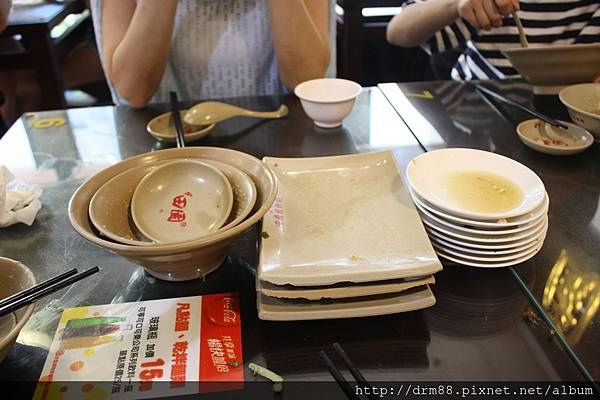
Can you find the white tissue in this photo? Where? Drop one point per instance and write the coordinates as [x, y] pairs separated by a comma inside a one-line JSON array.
[[19, 203]]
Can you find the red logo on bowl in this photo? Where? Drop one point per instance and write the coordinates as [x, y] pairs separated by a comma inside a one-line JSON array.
[[224, 311], [178, 214]]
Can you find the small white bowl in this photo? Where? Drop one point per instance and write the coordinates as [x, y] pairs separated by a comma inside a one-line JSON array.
[[583, 103], [181, 201], [557, 144], [327, 101]]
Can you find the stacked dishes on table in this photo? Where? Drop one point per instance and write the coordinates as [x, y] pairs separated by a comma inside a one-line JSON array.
[[479, 208], [343, 239], [176, 212]]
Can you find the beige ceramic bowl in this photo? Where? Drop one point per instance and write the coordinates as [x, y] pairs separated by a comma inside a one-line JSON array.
[[550, 68], [109, 208], [163, 128], [178, 261], [327, 101], [14, 277], [180, 201], [583, 103], [110, 213]]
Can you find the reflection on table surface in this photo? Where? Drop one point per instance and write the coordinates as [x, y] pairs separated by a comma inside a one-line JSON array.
[[476, 331], [567, 276]]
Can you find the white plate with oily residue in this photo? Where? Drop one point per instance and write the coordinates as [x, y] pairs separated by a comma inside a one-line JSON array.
[[475, 184], [553, 140], [502, 224], [342, 219], [274, 309]]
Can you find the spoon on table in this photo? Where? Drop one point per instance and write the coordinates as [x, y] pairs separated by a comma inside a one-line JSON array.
[[211, 112]]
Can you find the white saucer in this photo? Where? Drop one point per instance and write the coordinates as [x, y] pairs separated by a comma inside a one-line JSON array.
[[162, 128], [486, 246], [486, 259], [468, 250], [468, 230], [537, 227], [499, 224], [556, 142], [470, 263], [428, 176]]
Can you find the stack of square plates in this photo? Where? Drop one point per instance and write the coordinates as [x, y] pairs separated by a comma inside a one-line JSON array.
[[479, 208], [343, 239]]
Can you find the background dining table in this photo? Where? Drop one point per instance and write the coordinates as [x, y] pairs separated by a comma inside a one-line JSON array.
[[43, 52], [482, 327]]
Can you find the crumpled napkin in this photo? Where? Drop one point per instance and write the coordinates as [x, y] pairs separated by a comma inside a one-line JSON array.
[[19, 204]]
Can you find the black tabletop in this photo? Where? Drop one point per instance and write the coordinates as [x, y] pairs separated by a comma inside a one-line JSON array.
[[567, 269], [478, 330]]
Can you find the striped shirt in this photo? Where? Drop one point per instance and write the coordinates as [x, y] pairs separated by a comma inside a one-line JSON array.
[[546, 22]]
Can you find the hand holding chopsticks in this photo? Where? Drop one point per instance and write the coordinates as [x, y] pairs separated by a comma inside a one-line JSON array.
[[40, 290]]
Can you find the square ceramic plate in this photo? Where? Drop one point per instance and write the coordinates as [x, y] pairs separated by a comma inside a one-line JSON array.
[[341, 290], [273, 309], [342, 219]]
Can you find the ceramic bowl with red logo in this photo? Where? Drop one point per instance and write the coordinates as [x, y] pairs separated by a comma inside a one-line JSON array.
[[583, 103], [180, 201], [186, 260], [110, 207]]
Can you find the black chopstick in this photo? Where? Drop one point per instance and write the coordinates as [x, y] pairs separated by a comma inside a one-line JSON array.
[[513, 103], [37, 287], [496, 107], [7, 309], [337, 375], [177, 119], [353, 370]]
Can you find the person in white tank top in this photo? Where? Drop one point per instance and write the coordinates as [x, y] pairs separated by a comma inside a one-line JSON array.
[[206, 49]]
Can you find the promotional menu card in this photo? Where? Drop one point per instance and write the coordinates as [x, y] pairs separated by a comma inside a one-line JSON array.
[[146, 349]]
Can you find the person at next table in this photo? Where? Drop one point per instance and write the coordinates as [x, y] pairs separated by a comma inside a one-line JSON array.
[[211, 48], [482, 27]]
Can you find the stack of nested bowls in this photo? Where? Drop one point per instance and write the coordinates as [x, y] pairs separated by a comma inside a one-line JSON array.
[[176, 212], [479, 208]]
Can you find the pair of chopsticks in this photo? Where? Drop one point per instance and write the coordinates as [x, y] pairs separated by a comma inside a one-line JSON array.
[[177, 119], [339, 378], [483, 90], [40, 290]]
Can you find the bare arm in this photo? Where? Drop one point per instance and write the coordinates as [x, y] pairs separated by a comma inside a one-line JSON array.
[[4, 9], [418, 22], [136, 45], [301, 39]]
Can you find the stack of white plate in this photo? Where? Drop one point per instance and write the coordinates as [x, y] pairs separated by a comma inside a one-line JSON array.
[[479, 208], [343, 239]]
